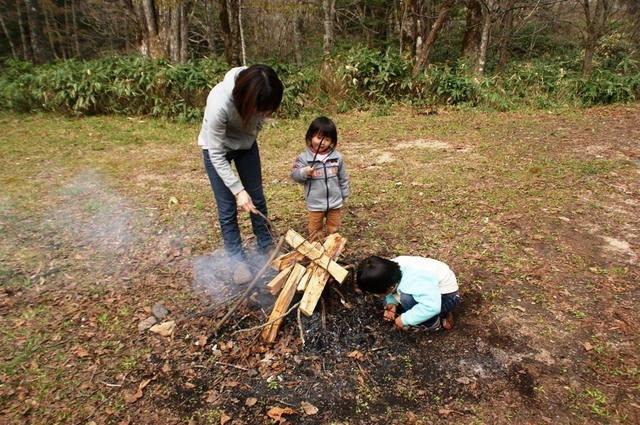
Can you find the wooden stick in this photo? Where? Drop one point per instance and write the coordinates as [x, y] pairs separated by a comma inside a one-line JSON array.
[[248, 290], [264, 325]]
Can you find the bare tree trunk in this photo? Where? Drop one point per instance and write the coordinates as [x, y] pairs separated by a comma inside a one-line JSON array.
[[329, 7], [409, 26], [67, 51], [423, 59], [173, 34], [473, 30], [151, 32], [176, 33], [184, 34], [26, 51], [487, 12], [210, 27], [14, 52], [298, 24], [230, 30], [596, 27], [40, 53], [49, 33], [241, 33], [507, 32], [74, 20]]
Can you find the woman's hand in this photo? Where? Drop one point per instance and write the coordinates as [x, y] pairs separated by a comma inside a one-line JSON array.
[[244, 201]]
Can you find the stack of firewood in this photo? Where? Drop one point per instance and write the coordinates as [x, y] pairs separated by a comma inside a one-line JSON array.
[[320, 259]]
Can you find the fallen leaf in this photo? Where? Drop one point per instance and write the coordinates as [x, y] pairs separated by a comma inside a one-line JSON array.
[[309, 408], [411, 418], [588, 346], [276, 413], [164, 329], [125, 421], [445, 412], [356, 355], [464, 380], [251, 401], [81, 352], [132, 398], [224, 418]]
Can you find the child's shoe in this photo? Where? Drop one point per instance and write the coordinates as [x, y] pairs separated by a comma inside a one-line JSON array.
[[433, 328], [447, 321]]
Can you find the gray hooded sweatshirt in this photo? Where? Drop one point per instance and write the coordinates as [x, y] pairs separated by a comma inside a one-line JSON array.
[[222, 129], [328, 187]]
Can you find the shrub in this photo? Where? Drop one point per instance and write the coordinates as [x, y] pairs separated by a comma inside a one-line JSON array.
[[372, 76], [605, 87]]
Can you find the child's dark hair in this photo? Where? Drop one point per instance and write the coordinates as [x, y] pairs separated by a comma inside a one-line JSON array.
[[377, 275], [323, 127], [257, 90]]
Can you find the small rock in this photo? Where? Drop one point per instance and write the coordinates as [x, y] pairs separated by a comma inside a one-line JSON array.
[[159, 311], [147, 323]]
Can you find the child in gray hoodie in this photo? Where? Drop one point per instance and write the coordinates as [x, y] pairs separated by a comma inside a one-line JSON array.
[[322, 171]]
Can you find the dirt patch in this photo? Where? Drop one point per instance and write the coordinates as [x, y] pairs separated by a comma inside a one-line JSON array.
[[546, 332]]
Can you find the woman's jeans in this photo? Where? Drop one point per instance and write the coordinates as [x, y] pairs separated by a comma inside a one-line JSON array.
[[247, 163]]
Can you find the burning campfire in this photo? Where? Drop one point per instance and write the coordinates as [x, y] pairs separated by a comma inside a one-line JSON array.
[[306, 269]]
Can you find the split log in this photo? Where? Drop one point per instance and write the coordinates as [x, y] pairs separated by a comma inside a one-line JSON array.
[[287, 260], [282, 303], [302, 285], [334, 245], [276, 283], [316, 255]]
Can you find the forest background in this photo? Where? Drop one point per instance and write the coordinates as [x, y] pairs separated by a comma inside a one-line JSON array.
[[160, 58]]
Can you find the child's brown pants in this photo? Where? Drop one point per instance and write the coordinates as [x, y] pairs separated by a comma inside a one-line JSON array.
[[316, 225]]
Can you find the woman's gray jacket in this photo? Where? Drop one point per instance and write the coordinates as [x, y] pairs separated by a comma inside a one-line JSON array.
[[222, 129]]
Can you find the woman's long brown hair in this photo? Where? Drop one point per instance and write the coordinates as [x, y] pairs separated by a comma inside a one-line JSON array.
[[257, 90]]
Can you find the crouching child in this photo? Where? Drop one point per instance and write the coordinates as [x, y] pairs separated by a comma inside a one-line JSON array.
[[420, 293]]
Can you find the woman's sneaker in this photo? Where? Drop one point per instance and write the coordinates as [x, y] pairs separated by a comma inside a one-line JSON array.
[[242, 274]]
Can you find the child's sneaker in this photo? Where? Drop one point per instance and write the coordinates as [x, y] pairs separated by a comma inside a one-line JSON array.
[[447, 321], [437, 326]]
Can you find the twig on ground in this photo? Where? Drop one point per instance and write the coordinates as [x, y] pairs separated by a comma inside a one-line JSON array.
[[248, 290], [342, 298], [373, 350], [232, 365], [110, 385], [300, 327], [323, 316], [296, 305]]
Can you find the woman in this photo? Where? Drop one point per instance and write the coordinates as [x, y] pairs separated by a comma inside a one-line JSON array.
[[234, 115]]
